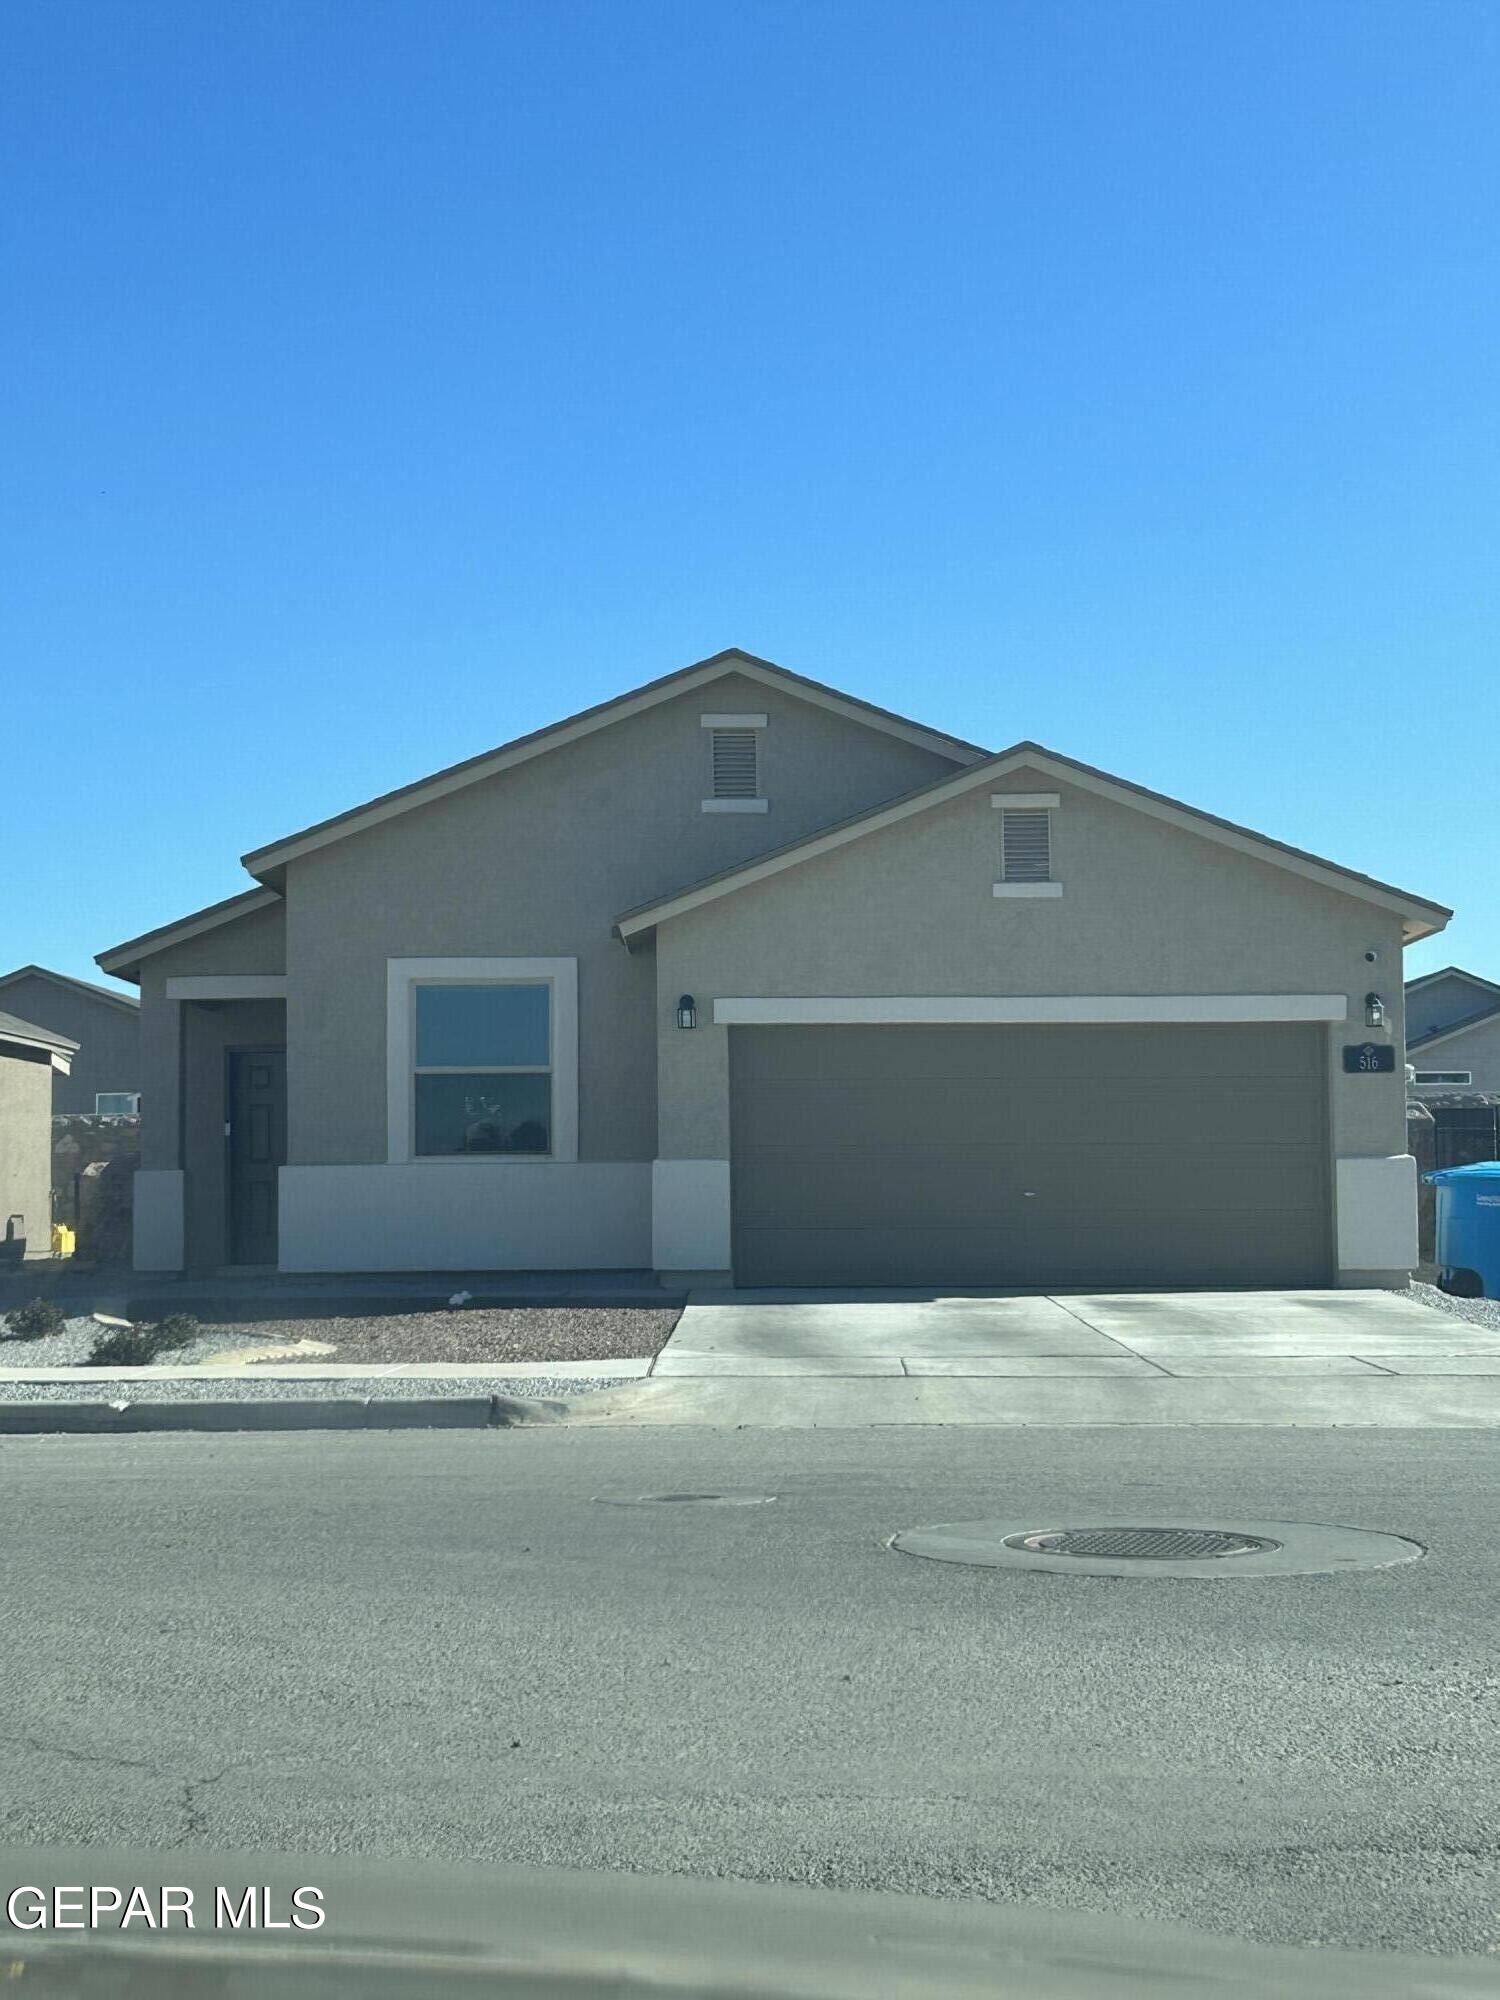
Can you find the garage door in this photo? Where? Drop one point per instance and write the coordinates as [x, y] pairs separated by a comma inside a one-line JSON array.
[[1094, 1157]]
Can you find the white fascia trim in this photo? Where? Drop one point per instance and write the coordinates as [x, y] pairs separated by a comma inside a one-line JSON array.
[[1059, 1009], [60, 1059], [735, 805], [404, 975], [1026, 888], [228, 912], [731, 722], [1029, 801], [228, 986]]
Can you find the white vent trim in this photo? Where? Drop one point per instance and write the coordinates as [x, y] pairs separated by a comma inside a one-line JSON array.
[[1026, 799], [731, 722]]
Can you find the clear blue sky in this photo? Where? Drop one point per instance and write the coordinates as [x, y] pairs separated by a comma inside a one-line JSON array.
[[382, 380]]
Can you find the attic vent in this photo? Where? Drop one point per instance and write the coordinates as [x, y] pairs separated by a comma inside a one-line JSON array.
[[735, 775], [1025, 844]]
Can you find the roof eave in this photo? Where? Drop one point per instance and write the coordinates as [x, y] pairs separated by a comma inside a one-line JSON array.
[[1420, 918], [84, 986], [268, 863], [123, 961]]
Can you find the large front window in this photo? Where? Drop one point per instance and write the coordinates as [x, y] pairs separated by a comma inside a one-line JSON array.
[[483, 1069]]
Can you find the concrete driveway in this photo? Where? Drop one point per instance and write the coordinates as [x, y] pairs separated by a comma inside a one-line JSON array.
[[813, 1359], [1123, 1334]]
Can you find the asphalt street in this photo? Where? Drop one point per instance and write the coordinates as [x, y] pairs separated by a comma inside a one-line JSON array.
[[442, 1645]]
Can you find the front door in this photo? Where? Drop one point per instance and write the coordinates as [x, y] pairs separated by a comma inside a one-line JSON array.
[[257, 1148]]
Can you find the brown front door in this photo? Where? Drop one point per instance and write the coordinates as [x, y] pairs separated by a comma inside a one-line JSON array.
[[257, 1148]]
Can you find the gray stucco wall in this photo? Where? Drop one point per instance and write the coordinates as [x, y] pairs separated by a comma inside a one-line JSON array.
[[26, 1147], [255, 943], [538, 862], [1475, 1049], [1146, 908], [108, 1038]]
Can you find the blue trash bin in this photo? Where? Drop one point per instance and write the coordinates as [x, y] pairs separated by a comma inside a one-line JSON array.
[[1468, 1229]]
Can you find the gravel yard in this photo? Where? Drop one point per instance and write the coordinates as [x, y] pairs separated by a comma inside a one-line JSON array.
[[481, 1333], [249, 1387], [1478, 1312]]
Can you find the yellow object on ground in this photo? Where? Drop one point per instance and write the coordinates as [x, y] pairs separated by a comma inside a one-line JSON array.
[[64, 1240]]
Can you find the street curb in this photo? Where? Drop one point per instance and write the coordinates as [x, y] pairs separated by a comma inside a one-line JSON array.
[[303, 1413]]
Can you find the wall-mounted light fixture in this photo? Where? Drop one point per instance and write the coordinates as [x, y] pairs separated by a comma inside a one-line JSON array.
[[687, 1012], [1374, 1011]]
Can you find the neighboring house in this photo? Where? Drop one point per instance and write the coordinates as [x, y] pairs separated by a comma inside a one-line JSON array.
[[1453, 1032], [29, 1058], [740, 974], [105, 1028]]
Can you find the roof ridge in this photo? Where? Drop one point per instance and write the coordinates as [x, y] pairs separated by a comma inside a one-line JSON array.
[[534, 742]]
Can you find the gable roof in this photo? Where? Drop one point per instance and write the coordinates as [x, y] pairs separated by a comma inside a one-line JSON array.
[[1453, 1028], [124, 960], [1420, 918], [1453, 972], [85, 986], [266, 863], [20, 1034]]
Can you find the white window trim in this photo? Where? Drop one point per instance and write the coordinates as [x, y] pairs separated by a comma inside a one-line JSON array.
[[1062, 1009], [133, 1112], [1444, 1079], [403, 976]]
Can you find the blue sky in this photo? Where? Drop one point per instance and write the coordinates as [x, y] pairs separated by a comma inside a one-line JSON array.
[[382, 381]]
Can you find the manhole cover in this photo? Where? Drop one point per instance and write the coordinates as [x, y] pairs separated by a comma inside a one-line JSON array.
[[1140, 1544], [1159, 1549]]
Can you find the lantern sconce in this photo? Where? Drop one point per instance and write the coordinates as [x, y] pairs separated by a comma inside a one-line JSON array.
[[1374, 1011], [687, 1012]]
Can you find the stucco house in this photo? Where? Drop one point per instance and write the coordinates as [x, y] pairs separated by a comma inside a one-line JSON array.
[[1453, 1032], [738, 974], [104, 1027], [30, 1056]]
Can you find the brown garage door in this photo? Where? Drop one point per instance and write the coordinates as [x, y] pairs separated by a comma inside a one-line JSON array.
[[1094, 1157]]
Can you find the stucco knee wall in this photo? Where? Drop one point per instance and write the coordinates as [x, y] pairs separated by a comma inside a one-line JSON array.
[[486, 1215]]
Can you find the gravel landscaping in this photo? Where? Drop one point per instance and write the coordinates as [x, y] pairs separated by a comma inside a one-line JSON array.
[[487, 1333], [89, 1388], [1478, 1312]]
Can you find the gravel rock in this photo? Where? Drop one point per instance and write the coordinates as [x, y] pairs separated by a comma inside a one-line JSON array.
[[1478, 1312], [485, 1333], [241, 1388]]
